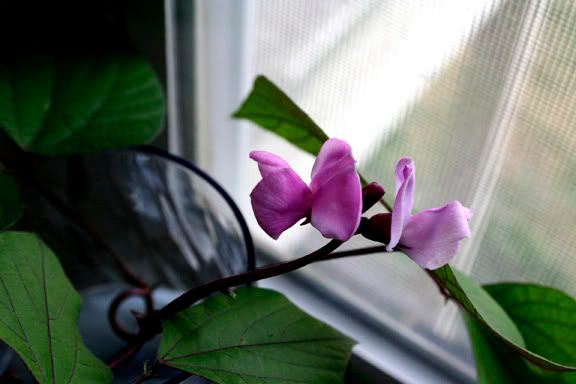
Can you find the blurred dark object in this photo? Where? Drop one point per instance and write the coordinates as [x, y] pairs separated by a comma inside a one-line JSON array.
[[31, 27], [164, 221]]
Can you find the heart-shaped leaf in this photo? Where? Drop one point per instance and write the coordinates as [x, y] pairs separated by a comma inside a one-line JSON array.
[[270, 108], [39, 311], [84, 103], [256, 336], [546, 318], [10, 204]]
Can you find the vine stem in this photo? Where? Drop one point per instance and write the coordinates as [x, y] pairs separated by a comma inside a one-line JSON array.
[[126, 353], [222, 285], [386, 205], [354, 252]]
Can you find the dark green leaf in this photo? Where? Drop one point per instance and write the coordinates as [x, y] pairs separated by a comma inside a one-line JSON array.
[[487, 354], [546, 318], [479, 303], [273, 110], [25, 88], [39, 311], [256, 337], [10, 205], [487, 311], [80, 104]]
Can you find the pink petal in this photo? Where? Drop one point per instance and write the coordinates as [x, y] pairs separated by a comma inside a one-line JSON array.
[[337, 206], [433, 236], [280, 200], [268, 162], [337, 192], [405, 180], [334, 157]]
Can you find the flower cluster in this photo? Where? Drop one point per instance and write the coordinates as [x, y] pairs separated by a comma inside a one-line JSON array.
[[333, 204]]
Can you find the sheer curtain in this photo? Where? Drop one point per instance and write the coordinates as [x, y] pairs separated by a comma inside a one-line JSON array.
[[481, 93]]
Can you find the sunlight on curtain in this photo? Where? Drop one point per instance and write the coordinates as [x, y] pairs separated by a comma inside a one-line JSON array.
[[480, 93]]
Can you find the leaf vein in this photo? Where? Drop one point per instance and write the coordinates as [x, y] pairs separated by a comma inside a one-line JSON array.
[[253, 345], [47, 309]]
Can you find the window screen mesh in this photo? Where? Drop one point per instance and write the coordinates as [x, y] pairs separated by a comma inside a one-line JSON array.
[[480, 93]]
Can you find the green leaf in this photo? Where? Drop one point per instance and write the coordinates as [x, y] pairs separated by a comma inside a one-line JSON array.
[[10, 204], [80, 104], [25, 88], [256, 337], [546, 318], [480, 305], [39, 311], [488, 354], [273, 110]]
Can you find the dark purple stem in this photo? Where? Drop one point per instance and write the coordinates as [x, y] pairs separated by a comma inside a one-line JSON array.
[[145, 293], [126, 353], [192, 296], [354, 252]]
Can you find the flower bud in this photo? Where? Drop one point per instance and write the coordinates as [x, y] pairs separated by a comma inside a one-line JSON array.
[[377, 228], [371, 194]]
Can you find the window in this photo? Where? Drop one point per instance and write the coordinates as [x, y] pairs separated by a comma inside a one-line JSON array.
[[479, 93]]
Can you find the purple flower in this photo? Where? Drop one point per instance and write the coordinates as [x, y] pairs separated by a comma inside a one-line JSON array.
[[431, 237], [333, 201]]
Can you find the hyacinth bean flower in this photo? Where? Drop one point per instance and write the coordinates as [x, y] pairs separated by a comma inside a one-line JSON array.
[[431, 237], [332, 201]]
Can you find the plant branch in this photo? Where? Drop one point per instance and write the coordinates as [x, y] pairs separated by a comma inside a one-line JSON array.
[[151, 325], [126, 353], [354, 252], [386, 205], [185, 300]]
